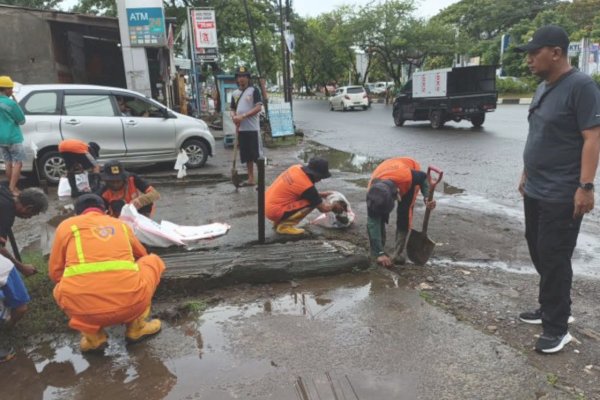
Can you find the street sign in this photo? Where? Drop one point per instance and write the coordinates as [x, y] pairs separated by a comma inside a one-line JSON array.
[[205, 35], [146, 27], [280, 117], [574, 48]]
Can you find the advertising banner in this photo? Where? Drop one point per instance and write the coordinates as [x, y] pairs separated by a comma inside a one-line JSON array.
[[205, 34]]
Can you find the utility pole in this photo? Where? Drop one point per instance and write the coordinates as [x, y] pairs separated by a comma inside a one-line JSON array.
[[284, 55], [288, 8]]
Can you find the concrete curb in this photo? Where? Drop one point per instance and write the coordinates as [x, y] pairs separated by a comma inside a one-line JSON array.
[[508, 100]]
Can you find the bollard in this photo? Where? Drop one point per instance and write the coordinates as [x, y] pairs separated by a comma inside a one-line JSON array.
[[260, 163]]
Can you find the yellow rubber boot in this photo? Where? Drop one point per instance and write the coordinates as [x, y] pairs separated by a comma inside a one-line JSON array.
[[288, 226], [140, 329], [93, 341]]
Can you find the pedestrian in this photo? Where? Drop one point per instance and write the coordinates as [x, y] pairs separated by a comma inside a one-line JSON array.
[[394, 179], [560, 161], [103, 274], [13, 293], [80, 160], [11, 137], [122, 187], [293, 195], [246, 104]]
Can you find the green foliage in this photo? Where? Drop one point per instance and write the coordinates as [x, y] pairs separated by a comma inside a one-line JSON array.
[[41, 4], [511, 85], [97, 7], [596, 77]]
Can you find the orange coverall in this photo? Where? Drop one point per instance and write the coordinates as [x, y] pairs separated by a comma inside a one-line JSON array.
[[103, 274]]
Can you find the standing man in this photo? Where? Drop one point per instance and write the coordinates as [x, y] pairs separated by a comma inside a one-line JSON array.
[[11, 137], [396, 178], [103, 274], [293, 195], [557, 184], [13, 292], [246, 104]]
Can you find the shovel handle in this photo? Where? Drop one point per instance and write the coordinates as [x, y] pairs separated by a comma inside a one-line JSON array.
[[432, 184]]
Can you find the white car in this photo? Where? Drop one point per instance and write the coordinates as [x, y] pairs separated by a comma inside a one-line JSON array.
[[349, 97], [128, 126], [380, 87]]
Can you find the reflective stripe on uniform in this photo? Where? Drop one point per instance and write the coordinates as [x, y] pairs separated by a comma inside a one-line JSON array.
[[78, 245], [102, 266]]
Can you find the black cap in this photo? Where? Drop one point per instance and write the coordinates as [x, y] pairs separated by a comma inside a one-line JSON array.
[[547, 36], [381, 198], [113, 171], [242, 71], [318, 167], [88, 200]]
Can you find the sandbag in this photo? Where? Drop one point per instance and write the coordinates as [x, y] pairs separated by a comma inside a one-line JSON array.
[[336, 220]]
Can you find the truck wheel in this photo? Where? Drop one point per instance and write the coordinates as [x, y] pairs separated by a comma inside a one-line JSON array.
[[477, 120], [398, 120], [437, 119], [52, 166]]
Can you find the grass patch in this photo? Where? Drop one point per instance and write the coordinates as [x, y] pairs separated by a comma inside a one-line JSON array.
[[524, 95], [285, 141], [195, 307], [552, 379], [426, 296]]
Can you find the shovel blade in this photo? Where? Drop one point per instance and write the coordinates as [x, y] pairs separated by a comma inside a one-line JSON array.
[[236, 179], [419, 247]]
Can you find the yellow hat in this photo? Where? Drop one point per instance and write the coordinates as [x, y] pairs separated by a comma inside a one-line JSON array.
[[6, 82]]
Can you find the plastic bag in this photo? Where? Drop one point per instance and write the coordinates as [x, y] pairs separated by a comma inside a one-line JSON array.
[[166, 233], [82, 182], [64, 189], [332, 220], [182, 159]]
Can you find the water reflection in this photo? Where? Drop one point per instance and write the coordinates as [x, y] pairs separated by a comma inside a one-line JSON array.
[[341, 160]]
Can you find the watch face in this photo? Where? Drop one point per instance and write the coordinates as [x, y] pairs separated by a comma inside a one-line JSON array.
[[587, 186]]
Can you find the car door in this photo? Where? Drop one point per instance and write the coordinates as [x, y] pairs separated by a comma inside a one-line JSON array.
[[149, 135], [90, 116], [338, 97]]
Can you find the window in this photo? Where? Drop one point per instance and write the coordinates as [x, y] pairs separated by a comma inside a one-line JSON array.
[[130, 106], [354, 90], [86, 105], [41, 103]]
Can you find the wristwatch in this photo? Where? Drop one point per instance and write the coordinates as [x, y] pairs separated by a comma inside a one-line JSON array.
[[587, 186]]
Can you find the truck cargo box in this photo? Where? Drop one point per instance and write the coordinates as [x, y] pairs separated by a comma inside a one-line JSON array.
[[454, 81]]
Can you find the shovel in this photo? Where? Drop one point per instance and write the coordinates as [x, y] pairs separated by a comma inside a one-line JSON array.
[[420, 247], [235, 177]]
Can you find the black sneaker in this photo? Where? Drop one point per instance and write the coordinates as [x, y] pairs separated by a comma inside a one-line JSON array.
[[552, 344], [535, 317]]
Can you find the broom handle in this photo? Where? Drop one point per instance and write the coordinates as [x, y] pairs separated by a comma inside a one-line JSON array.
[[432, 185]]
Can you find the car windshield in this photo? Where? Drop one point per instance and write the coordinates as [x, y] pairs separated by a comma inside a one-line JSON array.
[[352, 90]]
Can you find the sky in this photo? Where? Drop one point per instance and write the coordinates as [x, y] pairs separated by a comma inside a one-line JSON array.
[[424, 8]]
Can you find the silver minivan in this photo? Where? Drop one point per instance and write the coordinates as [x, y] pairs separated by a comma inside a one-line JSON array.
[[128, 126]]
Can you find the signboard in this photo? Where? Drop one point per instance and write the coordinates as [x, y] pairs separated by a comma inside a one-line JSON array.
[[280, 116], [205, 34], [430, 83], [574, 49], [146, 27]]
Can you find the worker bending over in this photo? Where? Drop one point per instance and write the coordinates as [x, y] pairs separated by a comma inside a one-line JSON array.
[[293, 195], [394, 179]]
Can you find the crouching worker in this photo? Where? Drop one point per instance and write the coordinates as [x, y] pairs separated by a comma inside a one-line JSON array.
[[293, 195], [122, 187], [394, 179], [103, 275], [80, 157]]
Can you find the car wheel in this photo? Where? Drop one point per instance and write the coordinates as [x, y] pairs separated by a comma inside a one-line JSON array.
[[478, 120], [197, 151], [398, 120], [52, 167], [437, 119]]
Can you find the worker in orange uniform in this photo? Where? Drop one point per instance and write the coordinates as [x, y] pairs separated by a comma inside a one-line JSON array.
[[293, 195], [394, 179], [122, 187], [81, 157], [103, 275]]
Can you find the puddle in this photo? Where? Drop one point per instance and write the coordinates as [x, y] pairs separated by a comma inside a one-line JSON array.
[[199, 357], [340, 160]]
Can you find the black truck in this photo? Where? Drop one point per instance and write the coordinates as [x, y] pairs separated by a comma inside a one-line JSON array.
[[451, 94]]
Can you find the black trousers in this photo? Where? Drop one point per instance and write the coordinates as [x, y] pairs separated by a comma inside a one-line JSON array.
[[551, 234], [403, 211]]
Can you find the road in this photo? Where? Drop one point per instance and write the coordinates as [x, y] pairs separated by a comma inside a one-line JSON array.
[[485, 161]]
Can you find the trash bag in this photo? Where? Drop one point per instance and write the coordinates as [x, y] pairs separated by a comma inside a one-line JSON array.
[[336, 220], [166, 233], [182, 159], [64, 189]]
